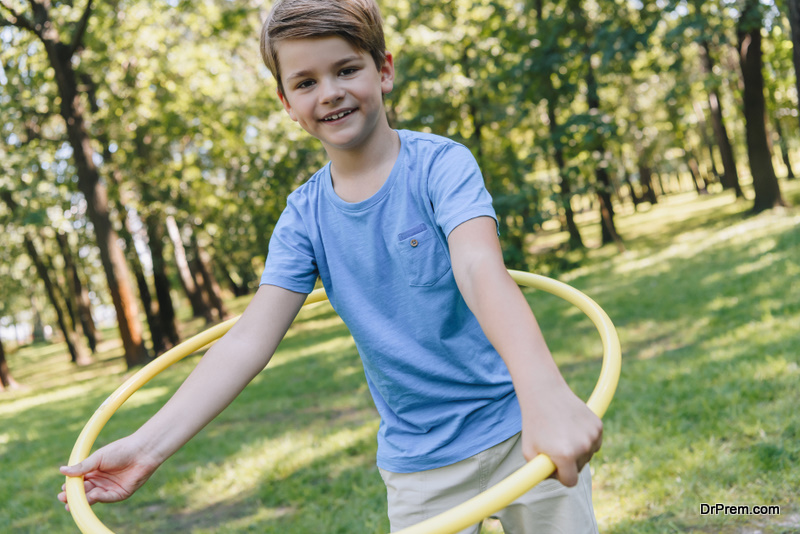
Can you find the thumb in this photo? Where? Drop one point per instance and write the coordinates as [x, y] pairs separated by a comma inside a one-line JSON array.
[[89, 464]]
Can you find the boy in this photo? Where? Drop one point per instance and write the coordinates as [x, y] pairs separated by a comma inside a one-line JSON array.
[[401, 231]]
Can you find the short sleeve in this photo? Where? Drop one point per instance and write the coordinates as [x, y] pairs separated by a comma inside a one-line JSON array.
[[290, 261], [456, 188]]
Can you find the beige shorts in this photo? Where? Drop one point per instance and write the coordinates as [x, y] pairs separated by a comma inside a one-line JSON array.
[[549, 508]]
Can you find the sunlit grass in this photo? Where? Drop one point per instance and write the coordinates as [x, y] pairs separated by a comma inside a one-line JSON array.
[[707, 303]]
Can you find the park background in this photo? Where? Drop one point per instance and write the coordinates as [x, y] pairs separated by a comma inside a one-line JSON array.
[[641, 151]]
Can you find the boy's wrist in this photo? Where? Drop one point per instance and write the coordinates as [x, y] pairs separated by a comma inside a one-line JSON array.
[[542, 391], [154, 449]]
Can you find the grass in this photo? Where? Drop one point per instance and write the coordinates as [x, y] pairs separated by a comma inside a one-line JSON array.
[[707, 303]]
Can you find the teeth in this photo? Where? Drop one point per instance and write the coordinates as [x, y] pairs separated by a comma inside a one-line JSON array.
[[337, 116]]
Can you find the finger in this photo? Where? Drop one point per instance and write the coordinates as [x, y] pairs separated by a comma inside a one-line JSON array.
[[89, 464], [567, 473], [87, 486], [98, 494]]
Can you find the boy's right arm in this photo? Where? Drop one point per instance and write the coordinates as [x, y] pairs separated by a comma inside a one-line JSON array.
[[114, 472]]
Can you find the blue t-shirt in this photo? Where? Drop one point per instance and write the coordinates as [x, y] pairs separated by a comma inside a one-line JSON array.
[[441, 389]]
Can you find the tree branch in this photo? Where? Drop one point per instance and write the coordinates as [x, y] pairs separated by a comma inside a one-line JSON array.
[[80, 31], [15, 19]]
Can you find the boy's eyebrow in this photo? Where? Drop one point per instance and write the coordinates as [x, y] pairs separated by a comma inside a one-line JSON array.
[[337, 64]]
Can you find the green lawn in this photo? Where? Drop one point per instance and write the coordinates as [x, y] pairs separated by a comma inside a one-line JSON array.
[[707, 303]]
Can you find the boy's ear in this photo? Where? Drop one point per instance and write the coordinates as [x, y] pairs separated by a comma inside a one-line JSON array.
[[286, 105], [387, 74]]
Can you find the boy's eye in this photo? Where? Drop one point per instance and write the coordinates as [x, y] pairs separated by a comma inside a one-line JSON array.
[[348, 71], [305, 83]]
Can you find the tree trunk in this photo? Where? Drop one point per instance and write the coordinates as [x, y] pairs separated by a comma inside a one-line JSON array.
[[730, 175], [76, 348], [784, 150], [646, 179], [209, 281], [150, 308], [185, 275], [60, 56], [79, 292], [634, 196], [38, 325], [608, 229], [794, 21], [65, 297], [6, 380], [237, 285], [663, 185], [575, 239], [202, 291], [707, 141], [765, 183], [697, 178], [166, 311]]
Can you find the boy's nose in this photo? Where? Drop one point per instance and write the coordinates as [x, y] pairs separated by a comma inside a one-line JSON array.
[[330, 92]]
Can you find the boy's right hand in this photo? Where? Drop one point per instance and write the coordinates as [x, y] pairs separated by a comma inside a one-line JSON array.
[[113, 473]]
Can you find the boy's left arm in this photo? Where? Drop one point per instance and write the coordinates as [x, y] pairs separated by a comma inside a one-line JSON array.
[[554, 420]]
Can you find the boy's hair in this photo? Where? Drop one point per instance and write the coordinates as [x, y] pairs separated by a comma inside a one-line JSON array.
[[357, 21]]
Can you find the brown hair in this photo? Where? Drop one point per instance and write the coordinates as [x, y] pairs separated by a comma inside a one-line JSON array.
[[357, 21]]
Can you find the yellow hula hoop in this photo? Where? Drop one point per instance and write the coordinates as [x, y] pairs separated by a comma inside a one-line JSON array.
[[458, 518]]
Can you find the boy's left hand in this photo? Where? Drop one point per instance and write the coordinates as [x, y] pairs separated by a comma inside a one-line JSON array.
[[557, 423]]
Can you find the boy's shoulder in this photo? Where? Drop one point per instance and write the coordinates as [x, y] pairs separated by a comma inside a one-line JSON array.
[[428, 140], [436, 153], [310, 188]]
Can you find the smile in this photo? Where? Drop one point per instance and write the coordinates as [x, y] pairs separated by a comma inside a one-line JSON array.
[[338, 116]]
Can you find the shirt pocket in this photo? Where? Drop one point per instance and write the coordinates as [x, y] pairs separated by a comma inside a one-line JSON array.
[[422, 256]]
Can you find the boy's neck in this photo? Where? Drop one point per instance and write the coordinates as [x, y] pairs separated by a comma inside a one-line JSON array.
[[359, 173]]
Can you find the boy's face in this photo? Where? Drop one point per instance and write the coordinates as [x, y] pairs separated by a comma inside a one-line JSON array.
[[333, 90]]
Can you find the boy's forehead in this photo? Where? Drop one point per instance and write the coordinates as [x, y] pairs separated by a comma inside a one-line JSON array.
[[302, 54]]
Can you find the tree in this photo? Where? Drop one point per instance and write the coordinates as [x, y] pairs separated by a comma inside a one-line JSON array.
[[780, 85], [200, 305], [602, 45], [603, 180], [6, 380], [166, 312], [765, 183], [793, 12], [704, 24], [544, 60], [62, 55], [730, 173], [71, 330], [78, 292], [207, 282], [72, 338]]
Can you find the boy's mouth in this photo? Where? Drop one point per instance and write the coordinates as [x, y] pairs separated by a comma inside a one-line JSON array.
[[337, 115]]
